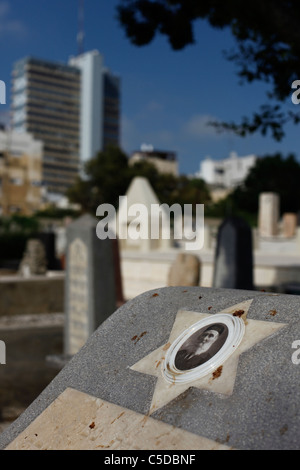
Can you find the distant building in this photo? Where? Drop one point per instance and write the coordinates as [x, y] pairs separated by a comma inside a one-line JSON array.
[[46, 103], [20, 173], [227, 173], [73, 108], [164, 161], [112, 109], [99, 105]]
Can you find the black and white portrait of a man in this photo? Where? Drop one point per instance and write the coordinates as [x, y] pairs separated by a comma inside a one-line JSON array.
[[201, 346]]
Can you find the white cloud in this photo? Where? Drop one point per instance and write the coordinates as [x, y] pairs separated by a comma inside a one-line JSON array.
[[154, 106], [134, 134], [9, 25], [194, 131], [198, 127]]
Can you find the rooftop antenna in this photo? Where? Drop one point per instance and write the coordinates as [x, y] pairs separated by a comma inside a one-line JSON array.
[[80, 35]]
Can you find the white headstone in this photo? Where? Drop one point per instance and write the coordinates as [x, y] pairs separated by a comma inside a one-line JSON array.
[[268, 214], [90, 287]]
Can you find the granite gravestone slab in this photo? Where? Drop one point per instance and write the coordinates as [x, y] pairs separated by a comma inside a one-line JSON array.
[[90, 285], [117, 393], [233, 266]]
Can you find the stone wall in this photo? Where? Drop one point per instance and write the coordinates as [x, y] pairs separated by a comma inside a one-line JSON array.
[[27, 296], [145, 271], [29, 339], [140, 273]]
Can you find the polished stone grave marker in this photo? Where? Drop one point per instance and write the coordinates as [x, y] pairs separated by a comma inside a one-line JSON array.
[[49, 241], [132, 385], [233, 266]]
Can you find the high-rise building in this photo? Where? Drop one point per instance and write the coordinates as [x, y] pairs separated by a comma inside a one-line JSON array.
[[73, 108], [100, 104], [91, 99], [46, 103], [111, 112]]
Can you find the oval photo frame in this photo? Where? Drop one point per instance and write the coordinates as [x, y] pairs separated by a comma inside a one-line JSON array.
[[202, 348]]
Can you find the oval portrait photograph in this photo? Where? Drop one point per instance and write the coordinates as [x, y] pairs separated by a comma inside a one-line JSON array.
[[201, 346]]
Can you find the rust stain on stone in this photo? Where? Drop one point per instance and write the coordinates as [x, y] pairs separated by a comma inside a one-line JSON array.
[[217, 373], [136, 338], [238, 313], [118, 417]]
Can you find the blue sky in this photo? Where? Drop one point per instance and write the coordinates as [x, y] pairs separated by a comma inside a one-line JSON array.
[[167, 96]]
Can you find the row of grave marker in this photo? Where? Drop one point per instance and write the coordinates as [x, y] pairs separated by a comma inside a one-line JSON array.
[[93, 287]]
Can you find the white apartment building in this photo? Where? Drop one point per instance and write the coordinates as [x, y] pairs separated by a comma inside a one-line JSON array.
[[227, 173], [91, 65], [99, 104]]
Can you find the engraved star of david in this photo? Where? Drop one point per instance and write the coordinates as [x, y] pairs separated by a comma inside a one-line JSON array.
[[223, 383]]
